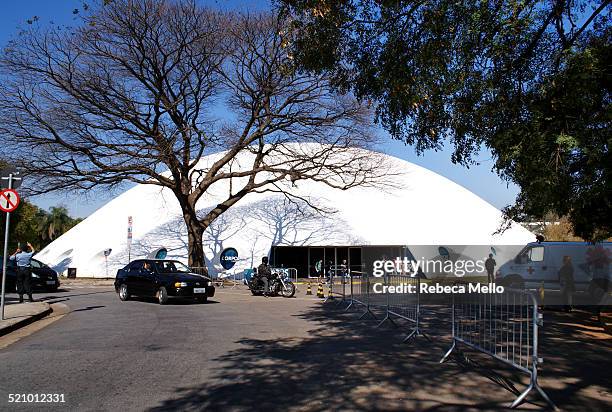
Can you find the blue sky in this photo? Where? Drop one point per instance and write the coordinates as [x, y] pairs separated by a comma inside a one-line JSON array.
[[479, 179]]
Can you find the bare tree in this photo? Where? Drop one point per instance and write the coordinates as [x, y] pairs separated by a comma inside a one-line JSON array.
[[131, 95]]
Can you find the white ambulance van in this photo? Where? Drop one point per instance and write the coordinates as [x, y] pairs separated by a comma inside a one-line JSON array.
[[538, 264]]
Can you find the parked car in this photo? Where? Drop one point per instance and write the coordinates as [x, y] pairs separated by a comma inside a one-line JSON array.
[[162, 279], [43, 277]]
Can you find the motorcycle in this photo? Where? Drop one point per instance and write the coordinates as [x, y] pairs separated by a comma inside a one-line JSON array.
[[279, 284]]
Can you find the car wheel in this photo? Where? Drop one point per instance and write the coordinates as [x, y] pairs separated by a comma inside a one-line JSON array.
[[123, 292], [202, 299], [162, 295]]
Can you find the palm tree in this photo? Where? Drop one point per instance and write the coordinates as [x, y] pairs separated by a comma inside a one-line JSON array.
[[55, 223]]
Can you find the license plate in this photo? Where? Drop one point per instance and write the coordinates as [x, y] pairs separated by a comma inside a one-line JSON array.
[[199, 290], [50, 282]]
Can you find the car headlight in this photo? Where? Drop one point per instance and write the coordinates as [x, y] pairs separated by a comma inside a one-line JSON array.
[[34, 275], [180, 284]]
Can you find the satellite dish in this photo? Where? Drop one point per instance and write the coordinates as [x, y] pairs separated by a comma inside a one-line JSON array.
[[444, 252]]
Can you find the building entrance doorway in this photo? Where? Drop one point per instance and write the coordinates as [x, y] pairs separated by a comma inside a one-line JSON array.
[[314, 261]]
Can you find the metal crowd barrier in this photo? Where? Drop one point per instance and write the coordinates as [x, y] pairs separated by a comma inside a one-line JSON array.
[[291, 273], [405, 305], [504, 326], [337, 286], [369, 292]]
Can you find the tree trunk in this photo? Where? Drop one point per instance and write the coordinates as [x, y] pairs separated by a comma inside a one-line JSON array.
[[195, 231]]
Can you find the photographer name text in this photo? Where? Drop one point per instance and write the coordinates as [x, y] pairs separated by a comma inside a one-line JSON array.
[[438, 288]]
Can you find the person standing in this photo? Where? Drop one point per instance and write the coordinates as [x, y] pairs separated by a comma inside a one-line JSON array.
[[490, 264], [344, 268], [329, 271], [566, 279], [23, 258]]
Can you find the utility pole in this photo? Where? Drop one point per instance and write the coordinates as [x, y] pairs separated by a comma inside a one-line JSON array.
[[10, 179]]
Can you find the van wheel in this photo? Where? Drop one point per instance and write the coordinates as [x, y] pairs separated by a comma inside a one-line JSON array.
[[123, 292], [162, 296]]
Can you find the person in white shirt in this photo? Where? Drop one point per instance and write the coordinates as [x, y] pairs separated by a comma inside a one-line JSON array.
[[23, 258]]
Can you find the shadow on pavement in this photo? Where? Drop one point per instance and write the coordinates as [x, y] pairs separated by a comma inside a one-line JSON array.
[[172, 301], [344, 364], [577, 360], [89, 308]]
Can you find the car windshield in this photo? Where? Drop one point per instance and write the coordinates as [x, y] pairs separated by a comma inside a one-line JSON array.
[[38, 264], [171, 267]]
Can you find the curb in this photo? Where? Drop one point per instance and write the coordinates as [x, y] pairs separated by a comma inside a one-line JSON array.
[[18, 325]]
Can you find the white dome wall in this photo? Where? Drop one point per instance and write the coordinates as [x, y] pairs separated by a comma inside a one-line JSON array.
[[422, 208]]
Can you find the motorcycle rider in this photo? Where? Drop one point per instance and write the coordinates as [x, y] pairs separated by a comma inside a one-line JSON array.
[[264, 273]]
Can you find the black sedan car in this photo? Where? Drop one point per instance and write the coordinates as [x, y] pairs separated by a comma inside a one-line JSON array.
[[43, 277], [162, 279]]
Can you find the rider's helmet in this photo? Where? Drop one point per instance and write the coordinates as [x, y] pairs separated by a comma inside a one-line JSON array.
[[264, 260]]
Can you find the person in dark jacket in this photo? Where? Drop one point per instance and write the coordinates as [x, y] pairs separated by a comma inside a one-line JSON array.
[[23, 259], [264, 273], [490, 264], [566, 279]]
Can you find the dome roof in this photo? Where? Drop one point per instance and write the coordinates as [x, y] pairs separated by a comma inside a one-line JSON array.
[[419, 208]]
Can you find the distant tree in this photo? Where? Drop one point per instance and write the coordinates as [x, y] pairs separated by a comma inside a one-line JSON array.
[[23, 226], [29, 223], [527, 80], [55, 223], [133, 94], [559, 230]]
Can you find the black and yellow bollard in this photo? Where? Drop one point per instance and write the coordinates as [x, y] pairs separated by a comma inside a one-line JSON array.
[[308, 289], [320, 293]]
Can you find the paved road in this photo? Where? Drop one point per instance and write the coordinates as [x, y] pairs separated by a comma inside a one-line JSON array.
[[240, 352], [112, 355]]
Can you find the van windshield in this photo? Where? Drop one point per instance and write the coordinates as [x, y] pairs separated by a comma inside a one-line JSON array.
[[531, 254]]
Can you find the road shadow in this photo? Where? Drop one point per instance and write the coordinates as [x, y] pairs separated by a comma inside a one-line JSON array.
[[577, 356], [344, 364], [349, 364], [89, 308], [172, 301]]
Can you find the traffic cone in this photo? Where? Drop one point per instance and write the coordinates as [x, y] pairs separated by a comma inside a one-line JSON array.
[[308, 289], [320, 293], [329, 292]]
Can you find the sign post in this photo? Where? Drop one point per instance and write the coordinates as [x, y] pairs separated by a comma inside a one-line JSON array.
[[107, 253], [9, 200], [129, 239]]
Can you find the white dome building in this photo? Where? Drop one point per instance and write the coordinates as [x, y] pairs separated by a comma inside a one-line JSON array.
[[367, 223]]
